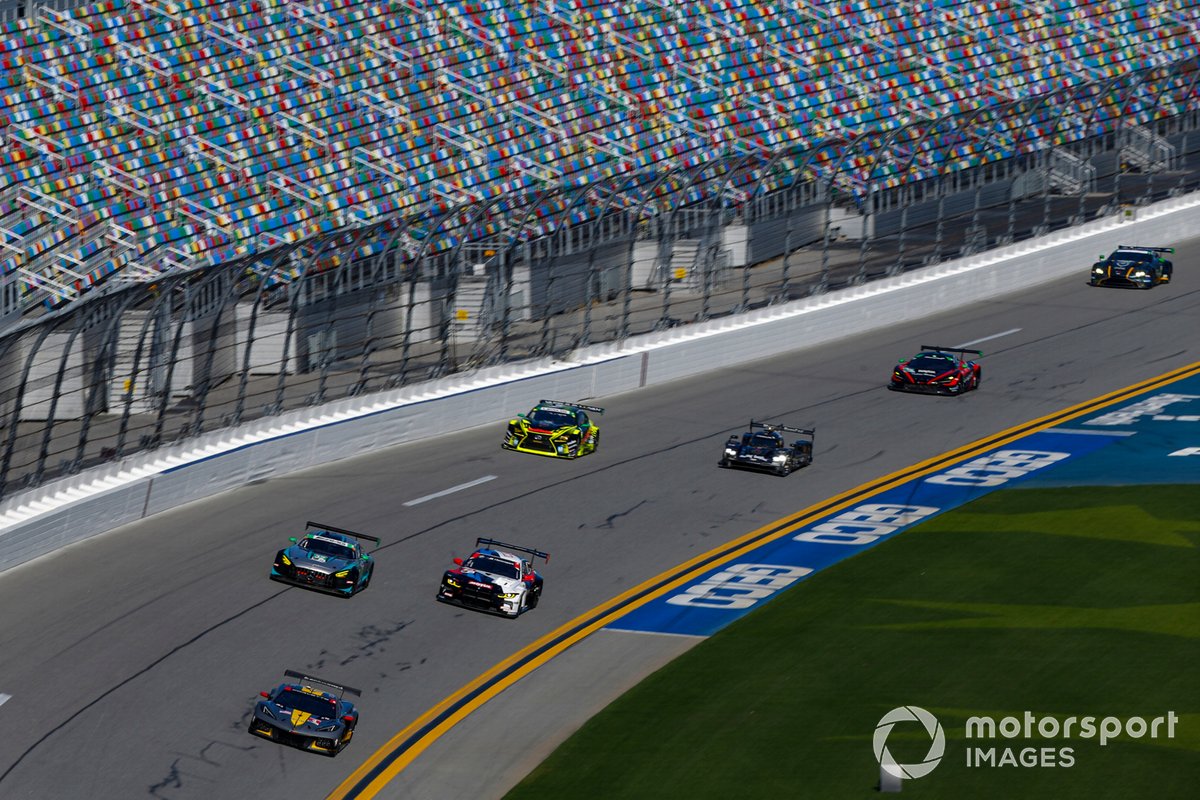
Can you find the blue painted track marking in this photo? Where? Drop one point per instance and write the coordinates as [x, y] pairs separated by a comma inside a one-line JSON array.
[[1155, 438]]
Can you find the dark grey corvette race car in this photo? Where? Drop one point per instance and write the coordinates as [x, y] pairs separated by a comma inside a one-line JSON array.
[[305, 715]]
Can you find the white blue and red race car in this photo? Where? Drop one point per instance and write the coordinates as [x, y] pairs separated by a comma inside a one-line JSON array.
[[495, 578]]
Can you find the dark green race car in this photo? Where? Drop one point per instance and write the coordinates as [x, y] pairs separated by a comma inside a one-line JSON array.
[[1133, 267]]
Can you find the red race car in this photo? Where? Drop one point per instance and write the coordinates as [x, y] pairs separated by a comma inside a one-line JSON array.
[[938, 370]]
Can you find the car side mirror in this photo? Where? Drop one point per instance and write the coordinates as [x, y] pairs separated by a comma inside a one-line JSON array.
[[292, 539], [458, 561], [347, 718], [264, 694]]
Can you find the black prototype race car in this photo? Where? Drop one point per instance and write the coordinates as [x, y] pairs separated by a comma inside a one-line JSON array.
[[1133, 267], [938, 370], [306, 716], [327, 559], [494, 579], [763, 447]]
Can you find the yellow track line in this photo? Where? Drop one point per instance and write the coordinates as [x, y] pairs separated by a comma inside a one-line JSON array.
[[402, 749]]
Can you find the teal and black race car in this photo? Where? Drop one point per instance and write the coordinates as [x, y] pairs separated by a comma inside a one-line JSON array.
[[1133, 267], [554, 428], [327, 559], [305, 715]]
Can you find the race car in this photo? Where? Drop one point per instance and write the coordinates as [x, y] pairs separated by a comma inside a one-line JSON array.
[[1133, 267], [938, 370], [494, 579], [554, 428], [306, 716], [763, 447], [327, 559]]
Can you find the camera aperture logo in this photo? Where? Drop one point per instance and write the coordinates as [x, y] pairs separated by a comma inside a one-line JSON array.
[[936, 748], [1028, 727]]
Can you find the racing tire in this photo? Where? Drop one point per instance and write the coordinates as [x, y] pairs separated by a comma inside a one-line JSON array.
[[595, 442], [354, 588], [367, 580], [532, 601], [977, 380]]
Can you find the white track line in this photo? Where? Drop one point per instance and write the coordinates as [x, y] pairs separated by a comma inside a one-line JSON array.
[[4, 698], [989, 338], [1084, 432], [451, 490], [655, 633]]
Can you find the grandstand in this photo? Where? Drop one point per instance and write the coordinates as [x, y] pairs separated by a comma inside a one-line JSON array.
[[150, 136], [193, 190]]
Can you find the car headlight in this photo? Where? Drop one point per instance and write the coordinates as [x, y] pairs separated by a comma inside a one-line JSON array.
[[510, 595], [1098, 269], [729, 451], [287, 561], [780, 457], [1139, 273], [452, 582], [341, 574]]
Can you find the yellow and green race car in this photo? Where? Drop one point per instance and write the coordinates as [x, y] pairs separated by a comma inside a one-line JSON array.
[[554, 428]]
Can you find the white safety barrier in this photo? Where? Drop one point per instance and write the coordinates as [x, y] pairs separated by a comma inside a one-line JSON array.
[[75, 508]]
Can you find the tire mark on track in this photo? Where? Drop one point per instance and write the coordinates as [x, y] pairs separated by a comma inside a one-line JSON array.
[[134, 676]]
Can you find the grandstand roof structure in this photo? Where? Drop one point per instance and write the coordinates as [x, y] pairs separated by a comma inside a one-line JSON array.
[[142, 137]]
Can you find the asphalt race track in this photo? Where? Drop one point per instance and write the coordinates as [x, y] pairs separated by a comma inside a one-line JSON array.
[[132, 661]]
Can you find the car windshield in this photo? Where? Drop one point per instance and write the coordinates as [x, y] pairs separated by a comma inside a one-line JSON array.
[[551, 418], [931, 361], [313, 704], [763, 440], [1132, 255], [328, 547], [505, 569]]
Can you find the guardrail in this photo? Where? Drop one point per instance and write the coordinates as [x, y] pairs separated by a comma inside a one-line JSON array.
[[41, 520]]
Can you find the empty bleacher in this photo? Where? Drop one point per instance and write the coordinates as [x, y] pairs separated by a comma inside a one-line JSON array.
[[143, 136]]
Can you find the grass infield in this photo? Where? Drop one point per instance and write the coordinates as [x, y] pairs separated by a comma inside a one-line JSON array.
[[1060, 602]]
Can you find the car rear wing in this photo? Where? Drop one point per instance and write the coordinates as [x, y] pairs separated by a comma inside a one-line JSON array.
[[310, 525], [565, 404], [1148, 249], [300, 676], [771, 426], [493, 543], [940, 349]]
